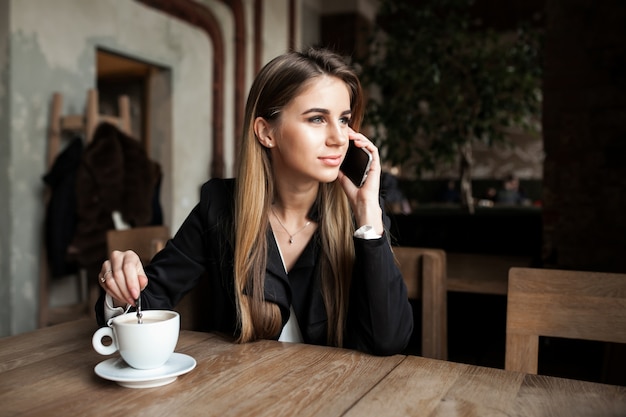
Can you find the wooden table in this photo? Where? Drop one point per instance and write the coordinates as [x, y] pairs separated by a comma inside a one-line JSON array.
[[50, 372]]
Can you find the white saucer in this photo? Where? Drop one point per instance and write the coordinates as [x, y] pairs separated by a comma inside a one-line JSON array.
[[115, 369]]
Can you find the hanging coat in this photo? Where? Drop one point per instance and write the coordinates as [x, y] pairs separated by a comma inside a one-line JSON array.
[[115, 174]]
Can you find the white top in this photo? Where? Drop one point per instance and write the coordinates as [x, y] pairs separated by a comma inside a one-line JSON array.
[[291, 332]]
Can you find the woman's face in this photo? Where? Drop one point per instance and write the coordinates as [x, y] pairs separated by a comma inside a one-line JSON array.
[[311, 137]]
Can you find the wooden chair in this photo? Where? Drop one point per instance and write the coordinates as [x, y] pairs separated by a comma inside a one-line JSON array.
[[146, 241], [558, 303], [424, 272]]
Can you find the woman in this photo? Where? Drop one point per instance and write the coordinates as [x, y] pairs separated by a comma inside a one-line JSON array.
[[277, 245]]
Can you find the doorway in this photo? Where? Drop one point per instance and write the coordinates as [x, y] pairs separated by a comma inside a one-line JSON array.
[[148, 87]]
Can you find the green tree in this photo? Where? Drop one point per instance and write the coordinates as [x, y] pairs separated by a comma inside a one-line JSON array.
[[440, 81]]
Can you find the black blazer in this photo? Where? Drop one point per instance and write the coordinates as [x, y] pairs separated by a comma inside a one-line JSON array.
[[380, 318]]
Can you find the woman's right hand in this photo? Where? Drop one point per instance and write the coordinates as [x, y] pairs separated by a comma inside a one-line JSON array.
[[123, 277]]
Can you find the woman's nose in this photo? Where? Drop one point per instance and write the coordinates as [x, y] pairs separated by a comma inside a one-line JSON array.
[[338, 134]]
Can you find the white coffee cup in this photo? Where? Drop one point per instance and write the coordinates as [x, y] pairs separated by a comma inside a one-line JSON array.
[[143, 346]]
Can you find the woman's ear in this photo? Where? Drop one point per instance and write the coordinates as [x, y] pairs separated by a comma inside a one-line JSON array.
[[263, 132]]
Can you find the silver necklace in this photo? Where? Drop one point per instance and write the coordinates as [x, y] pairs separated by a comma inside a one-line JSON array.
[[291, 235]]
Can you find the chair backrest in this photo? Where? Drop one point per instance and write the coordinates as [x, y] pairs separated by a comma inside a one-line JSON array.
[[558, 303], [145, 241], [424, 273]]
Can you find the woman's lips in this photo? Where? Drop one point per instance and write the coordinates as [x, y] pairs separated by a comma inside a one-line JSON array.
[[331, 160]]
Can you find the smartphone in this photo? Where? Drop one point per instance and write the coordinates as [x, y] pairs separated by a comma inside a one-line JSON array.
[[356, 164]]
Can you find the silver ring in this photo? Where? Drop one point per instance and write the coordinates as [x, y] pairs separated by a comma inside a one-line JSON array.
[[103, 278]]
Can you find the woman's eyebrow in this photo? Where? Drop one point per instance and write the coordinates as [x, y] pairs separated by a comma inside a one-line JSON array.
[[324, 111]]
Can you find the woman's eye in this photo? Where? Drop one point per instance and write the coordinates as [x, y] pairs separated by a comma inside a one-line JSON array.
[[345, 120], [316, 119]]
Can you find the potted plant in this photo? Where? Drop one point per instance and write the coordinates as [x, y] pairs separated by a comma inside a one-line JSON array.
[[440, 81]]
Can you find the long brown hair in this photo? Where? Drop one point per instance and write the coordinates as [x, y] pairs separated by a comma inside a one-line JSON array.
[[279, 82]]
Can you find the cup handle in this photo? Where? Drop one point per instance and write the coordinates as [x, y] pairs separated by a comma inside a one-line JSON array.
[[96, 341]]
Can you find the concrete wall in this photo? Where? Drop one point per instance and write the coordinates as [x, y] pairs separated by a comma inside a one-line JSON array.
[[6, 300], [276, 40]]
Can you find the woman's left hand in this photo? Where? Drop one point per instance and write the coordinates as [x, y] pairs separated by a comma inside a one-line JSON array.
[[365, 200]]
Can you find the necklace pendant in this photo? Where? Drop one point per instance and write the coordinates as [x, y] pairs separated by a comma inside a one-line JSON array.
[[285, 229]]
